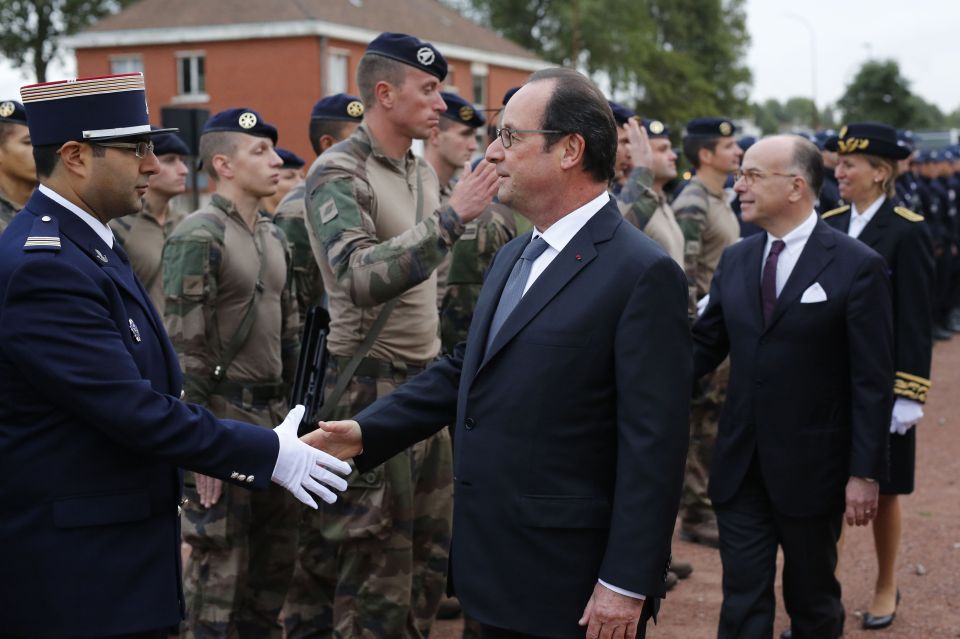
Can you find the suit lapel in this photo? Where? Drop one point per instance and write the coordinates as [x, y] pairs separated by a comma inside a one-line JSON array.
[[814, 258], [876, 227]]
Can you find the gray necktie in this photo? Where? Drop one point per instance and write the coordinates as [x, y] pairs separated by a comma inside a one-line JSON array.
[[513, 290]]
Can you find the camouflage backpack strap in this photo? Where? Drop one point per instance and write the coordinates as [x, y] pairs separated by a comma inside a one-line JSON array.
[[344, 376]]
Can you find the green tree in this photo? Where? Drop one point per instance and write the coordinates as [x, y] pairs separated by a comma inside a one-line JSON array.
[[677, 59], [879, 93], [32, 29]]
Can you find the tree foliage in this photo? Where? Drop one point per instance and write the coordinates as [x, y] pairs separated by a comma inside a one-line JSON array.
[[772, 116], [671, 59], [879, 93], [32, 29]]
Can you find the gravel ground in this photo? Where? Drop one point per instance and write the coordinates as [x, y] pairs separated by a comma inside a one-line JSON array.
[[928, 568]]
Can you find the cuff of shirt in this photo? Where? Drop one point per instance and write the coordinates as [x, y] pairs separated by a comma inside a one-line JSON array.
[[621, 591]]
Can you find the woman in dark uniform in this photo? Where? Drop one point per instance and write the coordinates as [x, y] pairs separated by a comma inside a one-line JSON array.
[[866, 173]]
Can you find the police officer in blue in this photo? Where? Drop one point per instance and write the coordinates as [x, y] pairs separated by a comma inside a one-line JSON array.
[[92, 433]]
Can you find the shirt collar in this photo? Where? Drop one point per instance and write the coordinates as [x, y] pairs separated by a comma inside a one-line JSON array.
[[867, 215], [562, 231], [98, 227], [797, 238]]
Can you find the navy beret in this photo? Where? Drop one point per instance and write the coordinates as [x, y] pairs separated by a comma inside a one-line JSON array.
[[655, 128], [746, 142], [88, 109], [410, 50], [459, 110], [620, 113], [821, 137], [871, 138], [169, 143], [240, 120], [710, 127], [290, 159], [13, 112], [338, 107], [509, 94]]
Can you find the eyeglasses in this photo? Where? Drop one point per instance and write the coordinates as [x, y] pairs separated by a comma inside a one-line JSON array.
[[750, 177], [506, 135], [140, 149]]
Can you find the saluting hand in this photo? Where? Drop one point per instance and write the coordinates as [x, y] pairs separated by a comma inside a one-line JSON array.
[[341, 439], [641, 155], [474, 190]]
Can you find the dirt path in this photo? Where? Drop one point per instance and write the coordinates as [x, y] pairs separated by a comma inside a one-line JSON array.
[[930, 608]]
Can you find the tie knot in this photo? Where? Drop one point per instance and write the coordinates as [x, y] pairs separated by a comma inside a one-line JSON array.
[[777, 247], [534, 249]]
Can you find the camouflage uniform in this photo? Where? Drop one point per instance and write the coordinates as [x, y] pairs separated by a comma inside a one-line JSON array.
[[243, 548], [7, 211], [709, 226], [637, 200], [142, 236], [290, 216], [374, 563]]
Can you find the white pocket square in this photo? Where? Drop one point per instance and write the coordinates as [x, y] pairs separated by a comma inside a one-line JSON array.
[[814, 294]]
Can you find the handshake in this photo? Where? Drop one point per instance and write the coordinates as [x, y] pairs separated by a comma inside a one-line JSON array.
[[302, 468]]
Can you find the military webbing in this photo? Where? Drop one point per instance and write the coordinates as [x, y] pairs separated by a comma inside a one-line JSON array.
[[344, 376]]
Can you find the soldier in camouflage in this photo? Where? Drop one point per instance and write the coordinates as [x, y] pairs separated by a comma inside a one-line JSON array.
[[232, 317], [375, 564], [143, 234], [633, 177], [291, 176], [333, 119], [18, 173], [709, 226]]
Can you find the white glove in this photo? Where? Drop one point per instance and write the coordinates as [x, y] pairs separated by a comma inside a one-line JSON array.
[[906, 413], [300, 467], [702, 304]]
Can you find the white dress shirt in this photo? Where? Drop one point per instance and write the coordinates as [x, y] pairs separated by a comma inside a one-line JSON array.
[[557, 237], [795, 240], [560, 233], [98, 227], [860, 220]]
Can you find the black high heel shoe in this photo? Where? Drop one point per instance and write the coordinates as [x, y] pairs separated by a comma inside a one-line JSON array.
[[876, 623]]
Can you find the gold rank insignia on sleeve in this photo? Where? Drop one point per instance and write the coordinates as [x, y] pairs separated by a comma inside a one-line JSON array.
[[907, 214], [911, 386], [837, 211]]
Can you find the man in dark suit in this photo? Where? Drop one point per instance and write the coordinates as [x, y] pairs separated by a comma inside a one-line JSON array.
[[805, 316], [91, 430], [569, 398]]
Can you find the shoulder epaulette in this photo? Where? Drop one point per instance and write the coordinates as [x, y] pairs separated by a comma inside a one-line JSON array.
[[44, 235], [907, 214], [836, 211]]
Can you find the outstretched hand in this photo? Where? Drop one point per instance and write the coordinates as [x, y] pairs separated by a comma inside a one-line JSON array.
[[301, 468], [341, 439]]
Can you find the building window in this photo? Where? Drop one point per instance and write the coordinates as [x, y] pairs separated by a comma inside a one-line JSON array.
[[338, 77], [126, 64], [191, 74], [479, 73]]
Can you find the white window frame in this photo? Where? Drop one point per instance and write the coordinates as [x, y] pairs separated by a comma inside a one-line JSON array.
[[335, 56], [195, 93], [126, 63]]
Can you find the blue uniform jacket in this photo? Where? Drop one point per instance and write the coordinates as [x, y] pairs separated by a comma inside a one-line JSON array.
[[92, 433]]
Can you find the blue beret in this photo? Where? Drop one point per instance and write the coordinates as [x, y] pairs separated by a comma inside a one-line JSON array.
[[410, 50], [88, 109], [747, 141], [710, 127], [290, 159], [872, 138], [13, 112], [509, 94], [459, 110], [338, 107], [240, 120], [620, 113], [169, 143], [821, 137], [655, 128]]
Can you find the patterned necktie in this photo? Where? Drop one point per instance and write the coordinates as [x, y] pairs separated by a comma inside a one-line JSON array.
[[513, 290], [768, 284]]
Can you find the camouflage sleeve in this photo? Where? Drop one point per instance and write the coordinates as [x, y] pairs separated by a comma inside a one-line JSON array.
[[190, 279], [637, 200], [692, 218], [307, 282], [372, 271], [290, 318]]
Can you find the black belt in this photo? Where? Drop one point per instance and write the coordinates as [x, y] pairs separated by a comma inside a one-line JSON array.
[[249, 394], [377, 368]]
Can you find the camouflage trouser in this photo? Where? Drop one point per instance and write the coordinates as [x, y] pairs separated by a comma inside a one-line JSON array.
[[705, 410], [374, 564], [242, 550]]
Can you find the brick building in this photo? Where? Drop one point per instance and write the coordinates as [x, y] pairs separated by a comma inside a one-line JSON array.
[[281, 56]]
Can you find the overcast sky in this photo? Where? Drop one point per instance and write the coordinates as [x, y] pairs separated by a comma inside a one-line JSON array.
[[922, 35]]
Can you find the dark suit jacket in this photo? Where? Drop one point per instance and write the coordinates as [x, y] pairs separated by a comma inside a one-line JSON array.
[[906, 246], [570, 434], [811, 393], [91, 434]]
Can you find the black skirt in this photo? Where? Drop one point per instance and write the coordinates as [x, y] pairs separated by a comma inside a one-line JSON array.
[[903, 456]]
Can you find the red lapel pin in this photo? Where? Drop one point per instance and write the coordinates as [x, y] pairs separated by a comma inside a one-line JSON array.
[[579, 259]]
